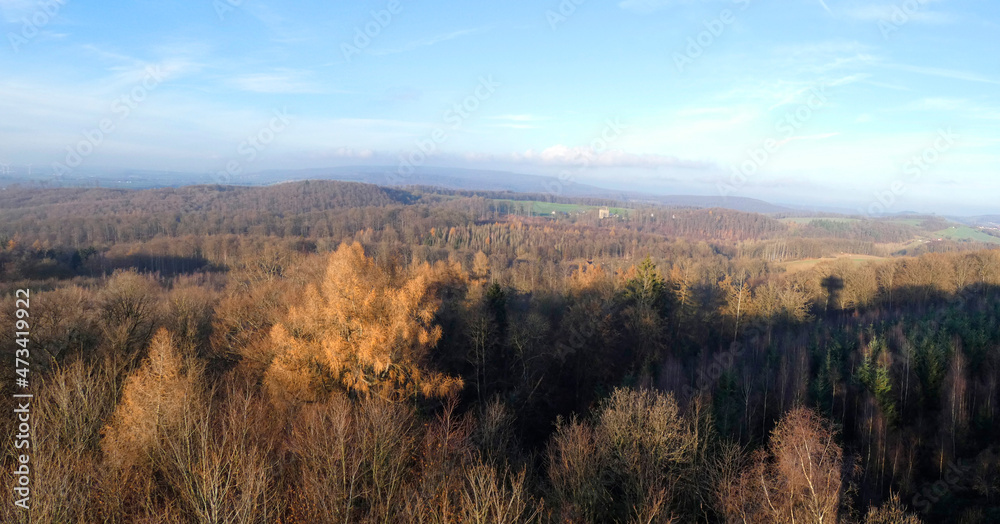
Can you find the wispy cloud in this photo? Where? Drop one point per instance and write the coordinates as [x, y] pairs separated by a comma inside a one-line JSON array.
[[126, 70], [887, 85], [277, 82], [282, 30], [403, 94], [944, 73], [649, 6], [937, 104], [425, 42], [700, 111], [349, 153], [519, 118], [823, 136], [515, 126], [561, 155], [885, 11], [517, 121], [13, 10], [807, 90]]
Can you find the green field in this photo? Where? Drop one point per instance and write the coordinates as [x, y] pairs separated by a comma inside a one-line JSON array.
[[803, 221], [539, 208], [965, 233]]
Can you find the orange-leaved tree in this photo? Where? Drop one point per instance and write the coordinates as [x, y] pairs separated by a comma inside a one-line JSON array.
[[364, 329]]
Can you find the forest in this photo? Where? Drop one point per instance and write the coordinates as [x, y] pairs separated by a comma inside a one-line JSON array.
[[314, 352]]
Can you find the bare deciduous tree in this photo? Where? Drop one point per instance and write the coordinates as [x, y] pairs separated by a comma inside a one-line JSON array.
[[797, 480]]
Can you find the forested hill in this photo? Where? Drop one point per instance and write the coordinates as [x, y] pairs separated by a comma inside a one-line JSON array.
[[329, 208], [334, 209], [261, 348], [298, 197]]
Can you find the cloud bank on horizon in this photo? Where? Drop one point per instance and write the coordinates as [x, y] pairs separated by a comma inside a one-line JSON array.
[[853, 103]]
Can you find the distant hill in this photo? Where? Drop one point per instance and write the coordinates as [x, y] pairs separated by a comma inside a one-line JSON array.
[[748, 205], [448, 178], [484, 180], [984, 220]]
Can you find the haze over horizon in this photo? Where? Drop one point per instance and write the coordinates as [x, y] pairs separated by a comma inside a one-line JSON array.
[[876, 106]]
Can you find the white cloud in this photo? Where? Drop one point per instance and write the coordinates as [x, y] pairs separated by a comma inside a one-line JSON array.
[[279, 81], [425, 42], [649, 6], [519, 118], [937, 104], [567, 156], [808, 137], [515, 126], [517, 121], [945, 73], [561, 155], [13, 10], [351, 153], [878, 12]]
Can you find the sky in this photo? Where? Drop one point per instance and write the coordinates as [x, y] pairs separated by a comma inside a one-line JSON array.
[[875, 107]]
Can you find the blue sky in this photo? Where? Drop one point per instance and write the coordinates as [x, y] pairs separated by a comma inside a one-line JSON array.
[[872, 106]]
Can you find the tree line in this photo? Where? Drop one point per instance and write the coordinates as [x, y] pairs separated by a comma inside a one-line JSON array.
[[443, 368]]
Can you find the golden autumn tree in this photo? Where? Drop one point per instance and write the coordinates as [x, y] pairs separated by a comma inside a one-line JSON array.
[[155, 399], [364, 330], [158, 400], [480, 266]]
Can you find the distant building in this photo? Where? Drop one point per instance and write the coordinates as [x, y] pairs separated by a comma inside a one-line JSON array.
[[603, 212]]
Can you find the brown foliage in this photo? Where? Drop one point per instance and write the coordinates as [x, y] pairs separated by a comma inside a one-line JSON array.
[[64, 323], [69, 411], [362, 331], [797, 480], [189, 313], [890, 512], [155, 401], [493, 497], [127, 308], [354, 460], [630, 462], [221, 465]]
